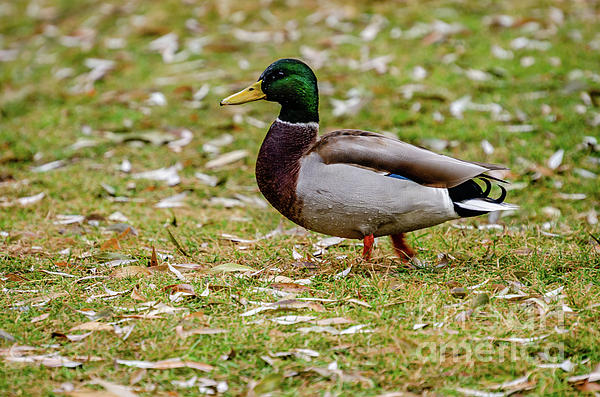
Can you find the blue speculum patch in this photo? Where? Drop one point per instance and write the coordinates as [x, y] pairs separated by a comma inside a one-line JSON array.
[[399, 177]]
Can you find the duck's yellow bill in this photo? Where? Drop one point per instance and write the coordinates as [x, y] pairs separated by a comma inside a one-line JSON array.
[[248, 94]]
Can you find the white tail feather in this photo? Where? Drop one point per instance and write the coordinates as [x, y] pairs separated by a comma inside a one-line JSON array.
[[484, 205]]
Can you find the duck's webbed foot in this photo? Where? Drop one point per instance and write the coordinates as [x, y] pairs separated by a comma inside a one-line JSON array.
[[401, 248], [368, 246]]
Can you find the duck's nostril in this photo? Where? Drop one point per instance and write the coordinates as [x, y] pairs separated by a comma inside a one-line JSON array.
[[250, 89]]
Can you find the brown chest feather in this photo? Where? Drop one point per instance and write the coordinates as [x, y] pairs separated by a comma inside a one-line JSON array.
[[278, 164]]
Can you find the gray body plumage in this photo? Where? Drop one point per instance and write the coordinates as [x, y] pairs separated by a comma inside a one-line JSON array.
[[348, 201]]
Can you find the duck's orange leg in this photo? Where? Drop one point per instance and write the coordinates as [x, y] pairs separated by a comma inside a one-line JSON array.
[[368, 246], [402, 249]]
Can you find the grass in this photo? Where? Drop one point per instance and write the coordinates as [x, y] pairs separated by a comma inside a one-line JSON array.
[[465, 344]]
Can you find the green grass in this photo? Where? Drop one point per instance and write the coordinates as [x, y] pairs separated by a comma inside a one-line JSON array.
[[41, 116]]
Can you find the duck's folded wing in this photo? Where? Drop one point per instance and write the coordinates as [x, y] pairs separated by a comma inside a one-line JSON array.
[[376, 151]]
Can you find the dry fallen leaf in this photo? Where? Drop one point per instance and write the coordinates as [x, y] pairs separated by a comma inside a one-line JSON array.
[[343, 273], [89, 393], [199, 315], [181, 267], [355, 329], [290, 287], [183, 334], [305, 354], [515, 385], [129, 231], [186, 288], [328, 242], [556, 159], [292, 319], [479, 393], [286, 304], [47, 360], [588, 387], [166, 364], [161, 308], [40, 300], [73, 337], [524, 341], [130, 271], [111, 244], [176, 272], [41, 317], [566, 365], [114, 389], [229, 268], [333, 321], [92, 326], [593, 376], [25, 201], [167, 174], [153, 258], [226, 159], [6, 336], [209, 180], [174, 201], [70, 219], [358, 302], [137, 295], [137, 376], [332, 371], [53, 165]]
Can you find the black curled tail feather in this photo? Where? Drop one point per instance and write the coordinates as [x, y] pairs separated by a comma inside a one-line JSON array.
[[471, 190]]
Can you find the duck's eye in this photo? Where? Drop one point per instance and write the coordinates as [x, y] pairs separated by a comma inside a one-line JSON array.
[[280, 74]]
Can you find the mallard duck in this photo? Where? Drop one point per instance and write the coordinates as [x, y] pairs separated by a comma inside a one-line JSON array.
[[352, 183]]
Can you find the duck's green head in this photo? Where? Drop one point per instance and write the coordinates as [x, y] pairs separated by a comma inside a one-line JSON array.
[[289, 82]]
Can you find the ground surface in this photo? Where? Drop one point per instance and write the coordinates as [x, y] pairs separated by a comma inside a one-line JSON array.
[[94, 94]]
